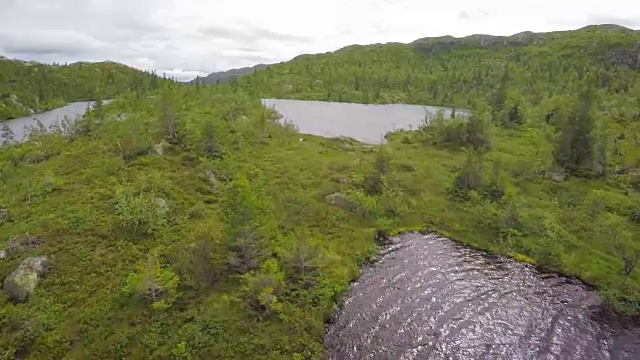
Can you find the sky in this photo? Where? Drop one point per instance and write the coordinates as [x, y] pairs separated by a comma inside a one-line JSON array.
[[185, 38]]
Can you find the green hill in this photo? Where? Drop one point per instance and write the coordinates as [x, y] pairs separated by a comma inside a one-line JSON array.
[[28, 87], [198, 227]]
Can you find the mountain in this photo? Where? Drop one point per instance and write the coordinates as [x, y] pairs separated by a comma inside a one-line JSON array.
[[28, 87], [224, 76], [191, 224]]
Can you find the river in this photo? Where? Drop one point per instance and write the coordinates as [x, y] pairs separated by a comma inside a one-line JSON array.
[[431, 298]]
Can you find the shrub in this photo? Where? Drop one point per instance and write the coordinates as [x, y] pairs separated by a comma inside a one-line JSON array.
[[142, 214]]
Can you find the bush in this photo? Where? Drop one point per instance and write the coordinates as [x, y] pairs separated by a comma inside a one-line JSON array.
[[153, 283], [470, 176], [141, 214]]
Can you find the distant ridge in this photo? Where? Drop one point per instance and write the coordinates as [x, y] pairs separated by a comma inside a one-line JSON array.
[[224, 76]]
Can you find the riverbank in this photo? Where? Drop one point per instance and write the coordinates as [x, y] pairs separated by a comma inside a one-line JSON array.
[[14, 110]]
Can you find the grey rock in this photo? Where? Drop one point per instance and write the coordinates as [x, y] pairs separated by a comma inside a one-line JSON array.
[[23, 281], [598, 169], [3, 254], [213, 179], [341, 201], [557, 175], [160, 147], [4, 214], [162, 204]]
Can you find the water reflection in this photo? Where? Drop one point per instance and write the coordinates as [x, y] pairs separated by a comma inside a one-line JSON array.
[[434, 299], [364, 122], [72, 111]]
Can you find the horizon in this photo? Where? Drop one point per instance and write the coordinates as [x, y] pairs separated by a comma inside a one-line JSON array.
[[196, 38]]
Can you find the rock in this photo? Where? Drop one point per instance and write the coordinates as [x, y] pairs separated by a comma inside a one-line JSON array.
[[4, 214], [159, 148], [213, 179], [23, 281], [340, 201], [21, 243], [162, 204], [598, 169], [557, 175], [3, 254]]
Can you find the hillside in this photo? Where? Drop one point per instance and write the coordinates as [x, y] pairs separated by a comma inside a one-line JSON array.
[[222, 77], [198, 227], [28, 87]]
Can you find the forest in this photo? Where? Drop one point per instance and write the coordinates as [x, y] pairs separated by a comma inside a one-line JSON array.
[[186, 222], [28, 87]]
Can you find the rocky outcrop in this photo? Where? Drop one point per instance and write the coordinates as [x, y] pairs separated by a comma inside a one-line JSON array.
[[23, 281]]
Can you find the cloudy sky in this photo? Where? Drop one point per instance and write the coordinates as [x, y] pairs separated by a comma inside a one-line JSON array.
[[188, 37]]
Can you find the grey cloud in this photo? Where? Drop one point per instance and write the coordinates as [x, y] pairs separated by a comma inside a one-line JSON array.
[[137, 33], [475, 14], [630, 22], [464, 15], [249, 34]]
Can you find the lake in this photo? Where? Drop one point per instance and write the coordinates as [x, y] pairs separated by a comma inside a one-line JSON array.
[[71, 111], [367, 123]]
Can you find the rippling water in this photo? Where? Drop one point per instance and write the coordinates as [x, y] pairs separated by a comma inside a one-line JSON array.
[[430, 298]]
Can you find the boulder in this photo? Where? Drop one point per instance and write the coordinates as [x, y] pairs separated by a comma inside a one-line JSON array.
[[557, 175], [341, 201], [23, 281]]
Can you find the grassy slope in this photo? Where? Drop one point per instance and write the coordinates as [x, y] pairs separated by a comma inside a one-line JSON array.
[[68, 193], [30, 87], [80, 310]]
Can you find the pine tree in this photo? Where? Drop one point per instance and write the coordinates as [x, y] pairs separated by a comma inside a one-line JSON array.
[[153, 282]]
